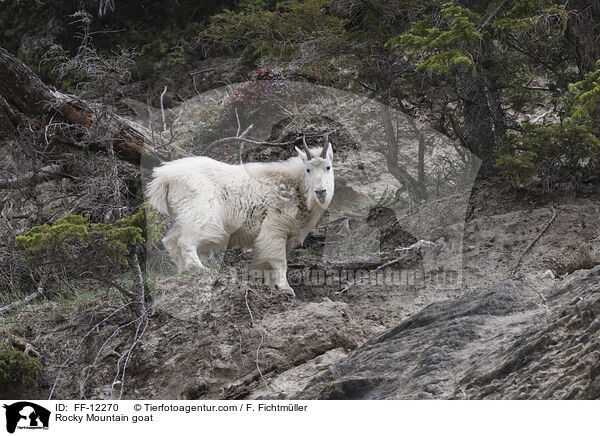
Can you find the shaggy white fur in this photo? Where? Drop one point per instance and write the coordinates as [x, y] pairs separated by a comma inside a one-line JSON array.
[[268, 207]]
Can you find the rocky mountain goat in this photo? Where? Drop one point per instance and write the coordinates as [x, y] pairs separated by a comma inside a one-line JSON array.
[[268, 207]]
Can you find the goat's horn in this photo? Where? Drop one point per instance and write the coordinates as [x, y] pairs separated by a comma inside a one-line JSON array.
[[325, 146], [306, 150]]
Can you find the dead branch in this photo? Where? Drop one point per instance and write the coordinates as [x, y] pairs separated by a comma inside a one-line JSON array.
[[241, 343], [9, 121], [545, 304], [250, 141], [138, 281], [492, 15], [126, 292], [409, 250], [162, 109], [249, 311], [390, 151], [27, 299], [44, 174], [514, 270], [256, 361]]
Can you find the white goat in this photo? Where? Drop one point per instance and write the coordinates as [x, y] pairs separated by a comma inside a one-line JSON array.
[[269, 207]]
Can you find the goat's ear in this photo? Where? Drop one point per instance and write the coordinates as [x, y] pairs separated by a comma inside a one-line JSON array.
[[301, 154], [329, 152]]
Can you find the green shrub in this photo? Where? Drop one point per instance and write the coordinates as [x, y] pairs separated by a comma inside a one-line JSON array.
[[588, 99], [72, 243], [16, 367], [265, 30], [554, 153], [445, 49]]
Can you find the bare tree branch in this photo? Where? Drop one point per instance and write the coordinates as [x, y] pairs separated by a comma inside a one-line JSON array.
[[25, 300], [49, 172]]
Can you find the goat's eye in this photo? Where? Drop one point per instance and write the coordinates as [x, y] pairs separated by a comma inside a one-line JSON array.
[[308, 170], [328, 168]]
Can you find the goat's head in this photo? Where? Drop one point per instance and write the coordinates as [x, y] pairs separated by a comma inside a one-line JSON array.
[[319, 172]]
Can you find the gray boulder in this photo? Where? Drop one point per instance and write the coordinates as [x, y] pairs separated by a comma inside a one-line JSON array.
[[509, 341]]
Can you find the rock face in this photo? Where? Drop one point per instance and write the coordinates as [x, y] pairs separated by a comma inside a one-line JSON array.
[[509, 341], [391, 233]]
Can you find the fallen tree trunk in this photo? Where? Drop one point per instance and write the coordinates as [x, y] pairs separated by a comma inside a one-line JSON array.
[[23, 90]]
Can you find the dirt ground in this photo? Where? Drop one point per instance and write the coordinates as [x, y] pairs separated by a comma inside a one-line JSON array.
[[216, 335]]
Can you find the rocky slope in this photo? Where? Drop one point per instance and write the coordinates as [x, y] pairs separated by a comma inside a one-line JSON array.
[[213, 335], [509, 341]]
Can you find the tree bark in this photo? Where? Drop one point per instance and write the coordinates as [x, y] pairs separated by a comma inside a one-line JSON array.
[[479, 128], [583, 30], [26, 92], [8, 119]]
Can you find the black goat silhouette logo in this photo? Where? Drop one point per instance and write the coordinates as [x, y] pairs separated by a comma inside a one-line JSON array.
[[27, 415]]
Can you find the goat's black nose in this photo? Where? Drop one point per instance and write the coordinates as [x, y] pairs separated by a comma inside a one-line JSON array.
[[321, 195]]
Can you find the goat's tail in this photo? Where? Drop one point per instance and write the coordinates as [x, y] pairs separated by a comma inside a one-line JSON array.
[[157, 193]]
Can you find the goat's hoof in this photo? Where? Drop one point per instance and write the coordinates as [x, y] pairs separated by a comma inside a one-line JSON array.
[[289, 292]]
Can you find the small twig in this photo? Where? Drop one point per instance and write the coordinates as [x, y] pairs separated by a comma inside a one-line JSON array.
[[539, 117], [516, 266], [238, 123], [344, 289], [418, 244], [243, 135], [162, 109], [249, 311], [15, 341], [46, 130], [151, 124], [126, 292], [136, 338], [106, 31], [5, 217], [241, 344], [138, 280], [536, 88], [256, 361], [251, 141], [391, 262]]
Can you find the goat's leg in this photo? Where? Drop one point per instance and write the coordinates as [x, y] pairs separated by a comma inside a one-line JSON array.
[[188, 244], [170, 243], [270, 249]]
